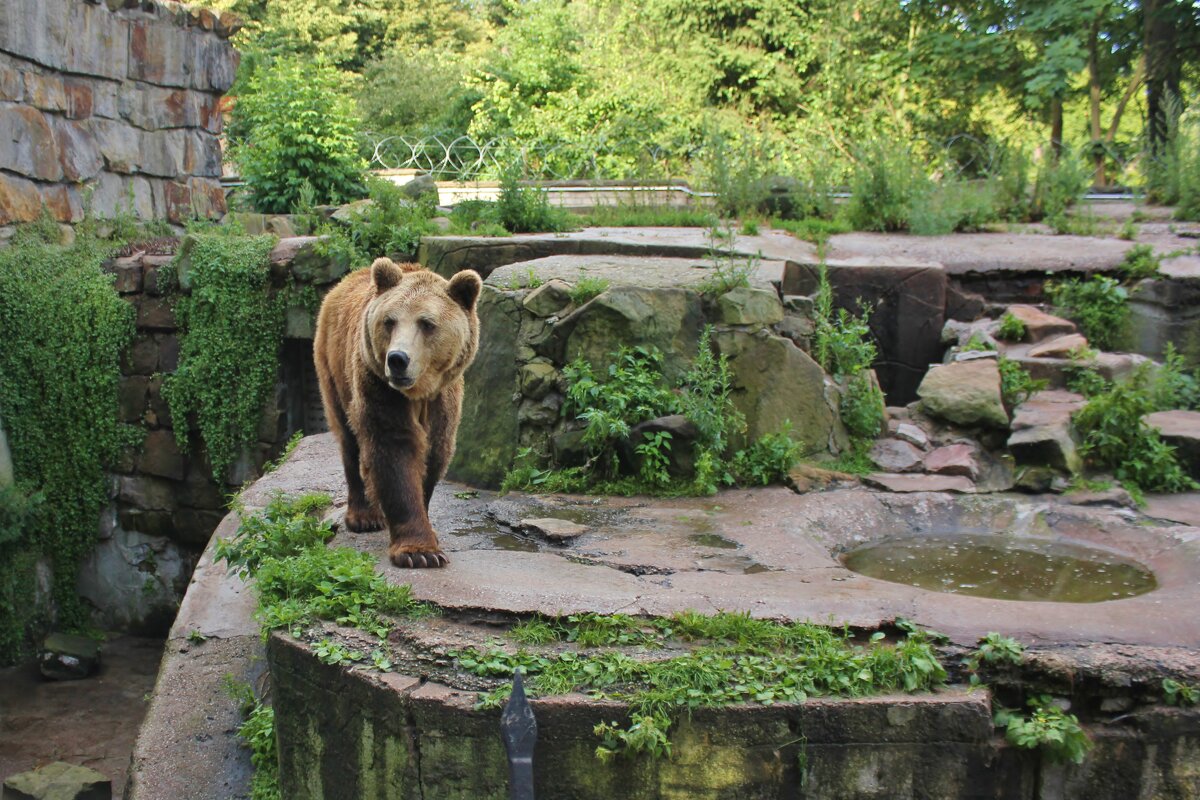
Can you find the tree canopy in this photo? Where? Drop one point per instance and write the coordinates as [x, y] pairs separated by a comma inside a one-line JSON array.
[[653, 84]]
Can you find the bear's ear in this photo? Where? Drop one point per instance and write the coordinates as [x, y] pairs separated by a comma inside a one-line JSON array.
[[385, 274], [465, 287]]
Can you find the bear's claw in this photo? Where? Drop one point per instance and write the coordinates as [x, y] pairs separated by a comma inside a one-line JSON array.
[[359, 521], [420, 560]]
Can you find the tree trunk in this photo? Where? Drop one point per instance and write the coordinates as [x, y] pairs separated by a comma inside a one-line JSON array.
[[1056, 127], [1162, 66], [1094, 94], [1135, 82]]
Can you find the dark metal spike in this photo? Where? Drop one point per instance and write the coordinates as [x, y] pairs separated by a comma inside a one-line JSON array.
[[518, 727]]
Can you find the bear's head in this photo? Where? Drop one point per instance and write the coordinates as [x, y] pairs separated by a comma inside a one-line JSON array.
[[420, 331]]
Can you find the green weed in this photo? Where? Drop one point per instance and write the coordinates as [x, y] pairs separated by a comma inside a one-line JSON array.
[[862, 407], [1011, 329], [1140, 262], [1048, 728], [586, 288], [1016, 384], [1178, 693], [768, 460]]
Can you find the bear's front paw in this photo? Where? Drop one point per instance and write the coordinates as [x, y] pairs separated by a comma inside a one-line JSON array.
[[419, 560], [358, 520]]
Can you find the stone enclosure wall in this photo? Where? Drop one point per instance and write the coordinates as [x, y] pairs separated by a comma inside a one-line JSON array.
[[165, 502], [116, 104]]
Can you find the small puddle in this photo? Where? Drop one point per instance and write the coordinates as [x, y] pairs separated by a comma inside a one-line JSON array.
[[507, 541], [1003, 568], [712, 540]]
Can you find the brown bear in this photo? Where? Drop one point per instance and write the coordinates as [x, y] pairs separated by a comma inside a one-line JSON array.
[[391, 348]]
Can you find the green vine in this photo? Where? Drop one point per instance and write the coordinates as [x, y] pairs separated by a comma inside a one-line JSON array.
[[64, 329], [231, 326]]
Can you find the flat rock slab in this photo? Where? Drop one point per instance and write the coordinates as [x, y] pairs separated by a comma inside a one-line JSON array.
[[58, 781], [920, 483], [770, 552], [652, 272], [961, 253], [554, 529]]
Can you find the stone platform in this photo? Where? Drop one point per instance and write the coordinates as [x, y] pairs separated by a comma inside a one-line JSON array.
[[350, 732]]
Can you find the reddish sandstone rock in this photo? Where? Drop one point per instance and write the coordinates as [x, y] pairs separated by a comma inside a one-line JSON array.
[[1038, 324]]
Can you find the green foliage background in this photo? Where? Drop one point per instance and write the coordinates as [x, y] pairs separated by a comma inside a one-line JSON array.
[[658, 87], [64, 328]]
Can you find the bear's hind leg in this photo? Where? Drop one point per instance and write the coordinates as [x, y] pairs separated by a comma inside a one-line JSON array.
[[361, 513]]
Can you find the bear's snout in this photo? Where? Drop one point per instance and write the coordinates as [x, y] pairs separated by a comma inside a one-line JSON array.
[[397, 364]]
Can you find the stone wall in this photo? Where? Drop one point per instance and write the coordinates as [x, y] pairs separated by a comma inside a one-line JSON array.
[[166, 503], [119, 102]]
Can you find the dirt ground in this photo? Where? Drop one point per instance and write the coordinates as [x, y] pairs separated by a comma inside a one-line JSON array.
[[92, 722]]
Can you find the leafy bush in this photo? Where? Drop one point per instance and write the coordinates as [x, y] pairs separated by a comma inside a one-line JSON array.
[[1011, 329], [1097, 304], [392, 223], [954, 205], [397, 94], [526, 209], [1060, 183], [293, 123], [257, 733], [1048, 728], [862, 407], [886, 184], [1140, 262], [1173, 173], [64, 329], [768, 460], [231, 327], [1116, 437], [1179, 693], [634, 391]]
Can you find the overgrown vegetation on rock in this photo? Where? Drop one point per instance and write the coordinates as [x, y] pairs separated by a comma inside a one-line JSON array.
[[655, 461], [1116, 436], [232, 326], [64, 329], [727, 658], [1097, 304]]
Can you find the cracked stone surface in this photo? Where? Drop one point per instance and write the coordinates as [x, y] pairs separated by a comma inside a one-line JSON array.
[[770, 552]]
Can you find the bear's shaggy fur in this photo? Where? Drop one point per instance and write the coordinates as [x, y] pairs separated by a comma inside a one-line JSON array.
[[391, 347]]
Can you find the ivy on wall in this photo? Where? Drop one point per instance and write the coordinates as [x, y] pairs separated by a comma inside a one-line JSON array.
[[63, 328], [231, 326]]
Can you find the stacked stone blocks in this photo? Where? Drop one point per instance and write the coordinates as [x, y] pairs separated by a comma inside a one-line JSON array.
[[116, 104]]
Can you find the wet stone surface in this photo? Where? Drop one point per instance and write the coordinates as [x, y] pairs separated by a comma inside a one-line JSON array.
[[776, 554]]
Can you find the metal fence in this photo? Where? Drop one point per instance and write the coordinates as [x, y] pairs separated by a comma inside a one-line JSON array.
[[452, 157], [465, 158]]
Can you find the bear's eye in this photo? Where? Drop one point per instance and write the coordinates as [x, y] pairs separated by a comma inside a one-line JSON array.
[[388, 324], [427, 325]]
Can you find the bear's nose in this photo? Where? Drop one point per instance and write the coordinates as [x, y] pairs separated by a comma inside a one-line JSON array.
[[397, 361]]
